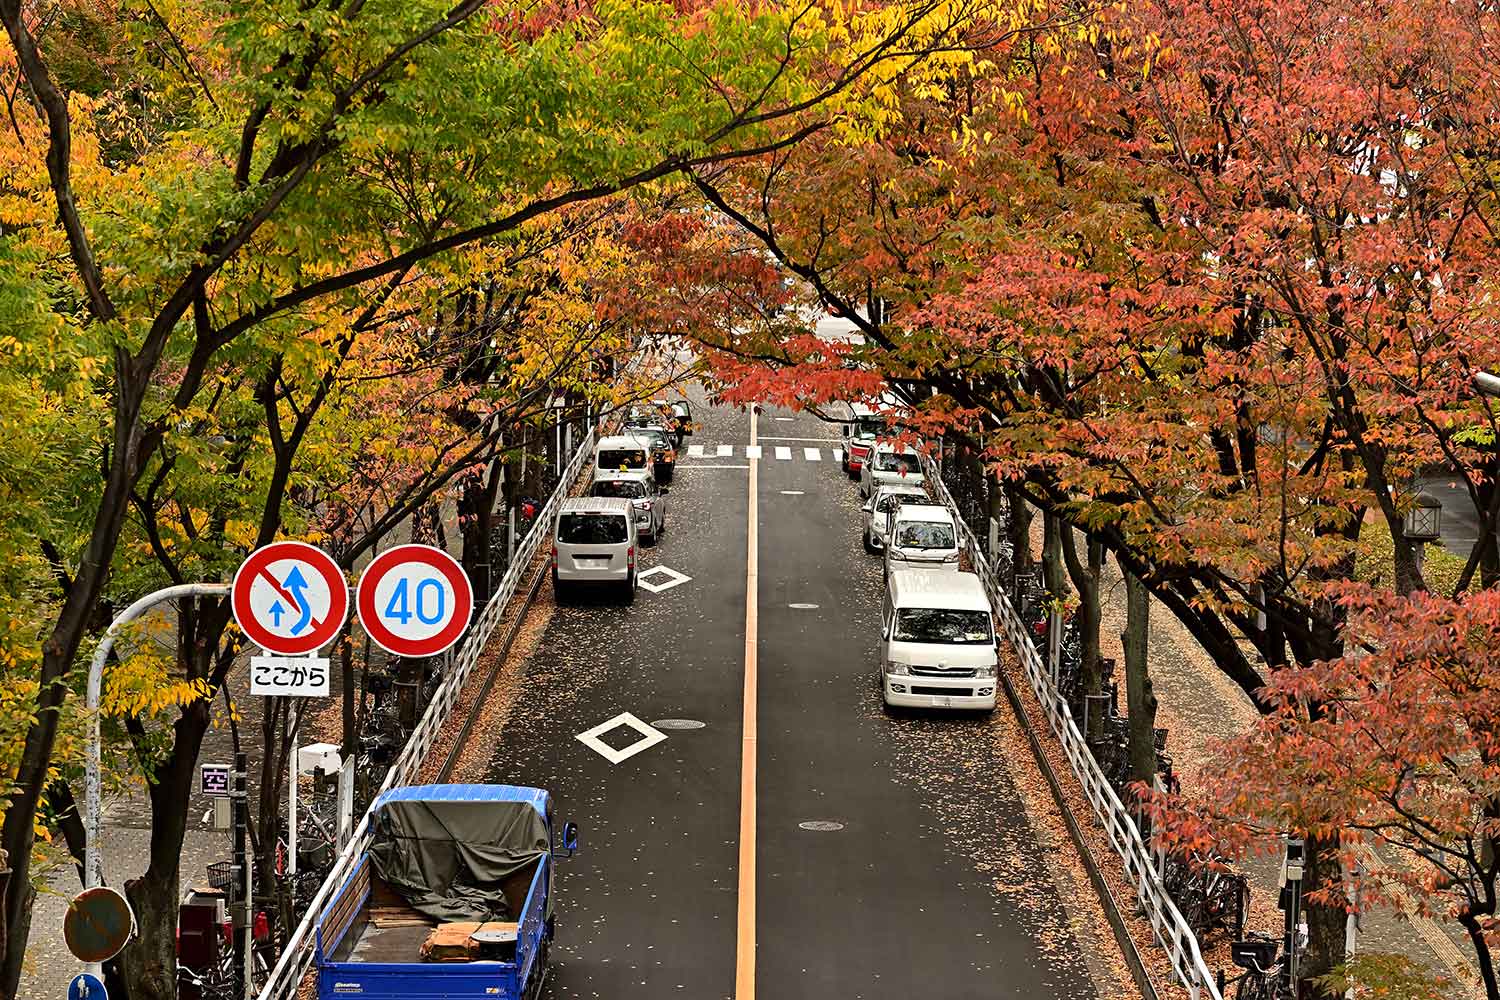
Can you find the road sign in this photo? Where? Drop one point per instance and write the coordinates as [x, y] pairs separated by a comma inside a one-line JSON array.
[[289, 676], [98, 925], [86, 987], [414, 600], [290, 598], [214, 779]]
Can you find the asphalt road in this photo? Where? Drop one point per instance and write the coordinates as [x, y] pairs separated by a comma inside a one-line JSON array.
[[932, 884]]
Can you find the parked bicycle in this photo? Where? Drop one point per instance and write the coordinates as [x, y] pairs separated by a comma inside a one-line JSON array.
[[1264, 977]]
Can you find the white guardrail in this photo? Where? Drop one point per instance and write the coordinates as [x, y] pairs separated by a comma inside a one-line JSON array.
[[1167, 924], [297, 958]]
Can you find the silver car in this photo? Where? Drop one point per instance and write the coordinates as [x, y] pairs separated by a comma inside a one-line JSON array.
[[879, 506], [594, 542], [648, 499]]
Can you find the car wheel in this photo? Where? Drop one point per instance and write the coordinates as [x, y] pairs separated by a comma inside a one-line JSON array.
[[559, 590], [630, 588]]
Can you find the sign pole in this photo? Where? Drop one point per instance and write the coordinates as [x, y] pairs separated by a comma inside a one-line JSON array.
[[293, 774], [242, 922]]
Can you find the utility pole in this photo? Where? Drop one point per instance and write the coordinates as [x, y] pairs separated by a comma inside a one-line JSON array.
[[243, 922]]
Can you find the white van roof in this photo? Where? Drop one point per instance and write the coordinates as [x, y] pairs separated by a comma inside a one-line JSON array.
[[597, 505], [621, 441], [931, 513], [935, 588]]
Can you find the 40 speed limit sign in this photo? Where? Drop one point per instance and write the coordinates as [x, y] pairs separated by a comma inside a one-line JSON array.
[[414, 600]]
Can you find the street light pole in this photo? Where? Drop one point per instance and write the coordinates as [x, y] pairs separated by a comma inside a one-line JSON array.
[[93, 827], [1487, 384]]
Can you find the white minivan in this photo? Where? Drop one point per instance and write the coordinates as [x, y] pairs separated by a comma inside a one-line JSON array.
[[937, 641], [920, 536], [594, 542], [622, 453], [889, 466]]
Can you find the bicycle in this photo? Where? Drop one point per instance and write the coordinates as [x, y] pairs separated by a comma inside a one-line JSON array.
[[1263, 978]]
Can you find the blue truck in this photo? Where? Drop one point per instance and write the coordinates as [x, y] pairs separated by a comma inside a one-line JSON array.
[[452, 899]]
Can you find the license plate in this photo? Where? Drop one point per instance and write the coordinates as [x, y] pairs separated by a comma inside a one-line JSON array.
[[941, 701], [594, 563]]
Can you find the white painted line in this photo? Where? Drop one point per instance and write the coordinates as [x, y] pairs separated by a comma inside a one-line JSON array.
[[791, 493], [802, 607], [752, 451], [707, 465], [725, 450], [786, 420], [695, 451], [838, 454], [772, 437], [784, 454], [674, 579], [649, 738], [812, 454]]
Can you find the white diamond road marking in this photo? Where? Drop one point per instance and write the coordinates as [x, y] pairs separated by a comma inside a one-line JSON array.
[[812, 454], [752, 451], [649, 738], [695, 451], [725, 450], [674, 579], [785, 454]]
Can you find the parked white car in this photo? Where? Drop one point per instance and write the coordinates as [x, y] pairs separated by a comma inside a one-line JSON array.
[[889, 466], [641, 489], [877, 510], [594, 542], [622, 453], [937, 641], [920, 536]]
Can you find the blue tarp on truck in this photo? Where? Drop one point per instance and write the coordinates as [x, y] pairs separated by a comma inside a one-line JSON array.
[[453, 899]]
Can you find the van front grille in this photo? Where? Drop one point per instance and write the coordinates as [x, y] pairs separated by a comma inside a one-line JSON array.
[[943, 671], [942, 692]]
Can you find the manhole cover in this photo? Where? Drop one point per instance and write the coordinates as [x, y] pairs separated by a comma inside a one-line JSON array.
[[821, 825], [802, 607], [678, 724]]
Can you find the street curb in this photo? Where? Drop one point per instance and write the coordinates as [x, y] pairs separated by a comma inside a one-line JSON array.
[[1106, 897]]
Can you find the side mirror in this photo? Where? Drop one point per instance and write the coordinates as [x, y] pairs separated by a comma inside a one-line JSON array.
[[870, 506], [570, 838]]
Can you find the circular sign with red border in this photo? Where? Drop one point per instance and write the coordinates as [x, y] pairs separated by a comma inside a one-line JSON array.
[[290, 598], [414, 600]]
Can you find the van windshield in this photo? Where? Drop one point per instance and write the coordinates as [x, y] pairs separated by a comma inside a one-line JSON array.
[[630, 489], [592, 529], [942, 626], [622, 458], [888, 461], [925, 535]]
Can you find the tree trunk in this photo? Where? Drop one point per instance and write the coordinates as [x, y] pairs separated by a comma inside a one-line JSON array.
[[1052, 557], [149, 963], [1086, 581], [1018, 531], [1140, 699], [1325, 921]]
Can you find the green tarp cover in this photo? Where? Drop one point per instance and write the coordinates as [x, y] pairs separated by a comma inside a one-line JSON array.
[[448, 858]]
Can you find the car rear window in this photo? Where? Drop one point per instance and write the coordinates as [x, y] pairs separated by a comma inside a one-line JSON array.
[[592, 529], [627, 458], [627, 488], [964, 628]]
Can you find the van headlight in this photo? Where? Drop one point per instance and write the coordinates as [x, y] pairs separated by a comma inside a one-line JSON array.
[[895, 669], [951, 558], [988, 671]]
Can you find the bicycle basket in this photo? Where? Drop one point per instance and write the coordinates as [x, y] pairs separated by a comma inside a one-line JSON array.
[[221, 875], [1255, 954]]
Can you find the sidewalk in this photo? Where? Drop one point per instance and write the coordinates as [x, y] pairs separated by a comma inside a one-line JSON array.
[[1197, 704]]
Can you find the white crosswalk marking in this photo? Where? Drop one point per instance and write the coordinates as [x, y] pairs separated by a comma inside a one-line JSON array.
[[812, 454], [725, 450], [838, 454], [785, 454], [752, 451], [695, 451]]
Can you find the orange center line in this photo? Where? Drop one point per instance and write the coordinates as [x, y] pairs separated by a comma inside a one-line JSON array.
[[744, 964]]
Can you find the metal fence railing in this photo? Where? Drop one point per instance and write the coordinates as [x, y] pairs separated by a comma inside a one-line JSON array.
[[297, 957], [1171, 930]]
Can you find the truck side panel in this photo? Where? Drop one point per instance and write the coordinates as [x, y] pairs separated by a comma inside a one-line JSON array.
[[534, 920], [419, 981]]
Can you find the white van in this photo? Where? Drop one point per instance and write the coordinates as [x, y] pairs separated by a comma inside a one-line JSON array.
[[920, 536], [622, 453], [937, 641], [648, 499], [889, 466], [594, 542]]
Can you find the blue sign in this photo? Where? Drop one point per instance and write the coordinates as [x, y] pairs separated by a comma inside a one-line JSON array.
[[86, 987]]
